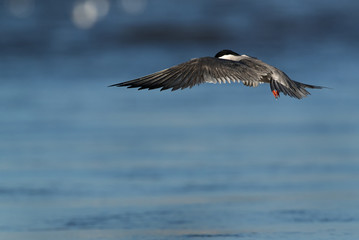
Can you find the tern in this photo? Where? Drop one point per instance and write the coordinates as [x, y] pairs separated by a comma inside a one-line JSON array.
[[225, 67]]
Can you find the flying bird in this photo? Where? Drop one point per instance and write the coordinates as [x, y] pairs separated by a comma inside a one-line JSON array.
[[225, 66]]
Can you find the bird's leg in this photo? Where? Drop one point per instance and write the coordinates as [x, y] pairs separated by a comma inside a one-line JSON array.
[[276, 94]]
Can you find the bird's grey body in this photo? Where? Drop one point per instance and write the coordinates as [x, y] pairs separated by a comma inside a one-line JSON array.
[[226, 67]]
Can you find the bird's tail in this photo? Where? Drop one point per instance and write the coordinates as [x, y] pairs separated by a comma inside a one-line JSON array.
[[295, 89]]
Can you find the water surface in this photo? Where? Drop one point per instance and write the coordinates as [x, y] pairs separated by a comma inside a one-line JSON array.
[[83, 161]]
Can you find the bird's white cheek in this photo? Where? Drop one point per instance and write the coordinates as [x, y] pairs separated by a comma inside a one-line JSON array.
[[232, 57]]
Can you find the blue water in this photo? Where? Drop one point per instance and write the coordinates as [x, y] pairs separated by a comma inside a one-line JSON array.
[[80, 160]]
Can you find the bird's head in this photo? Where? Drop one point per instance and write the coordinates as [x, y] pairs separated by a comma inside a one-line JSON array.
[[224, 53], [227, 54]]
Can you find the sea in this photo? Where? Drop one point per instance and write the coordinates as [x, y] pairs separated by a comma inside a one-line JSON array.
[[80, 160]]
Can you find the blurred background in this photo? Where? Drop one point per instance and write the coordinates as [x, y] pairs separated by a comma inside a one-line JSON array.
[[79, 160]]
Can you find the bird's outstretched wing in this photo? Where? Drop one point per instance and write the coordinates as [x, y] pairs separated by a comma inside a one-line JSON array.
[[202, 70]]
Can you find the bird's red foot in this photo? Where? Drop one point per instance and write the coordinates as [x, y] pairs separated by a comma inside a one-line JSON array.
[[276, 94]]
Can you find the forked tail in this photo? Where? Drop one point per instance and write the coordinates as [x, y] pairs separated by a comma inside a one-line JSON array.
[[295, 89]]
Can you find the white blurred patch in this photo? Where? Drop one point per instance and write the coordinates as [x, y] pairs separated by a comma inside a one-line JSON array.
[[133, 6], [20, 8], [86, 13], [102, 7]]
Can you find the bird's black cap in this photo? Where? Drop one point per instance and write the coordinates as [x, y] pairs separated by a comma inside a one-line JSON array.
[[226, 52]]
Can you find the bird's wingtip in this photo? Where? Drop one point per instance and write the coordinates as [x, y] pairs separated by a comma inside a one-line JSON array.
[[115, 85]]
